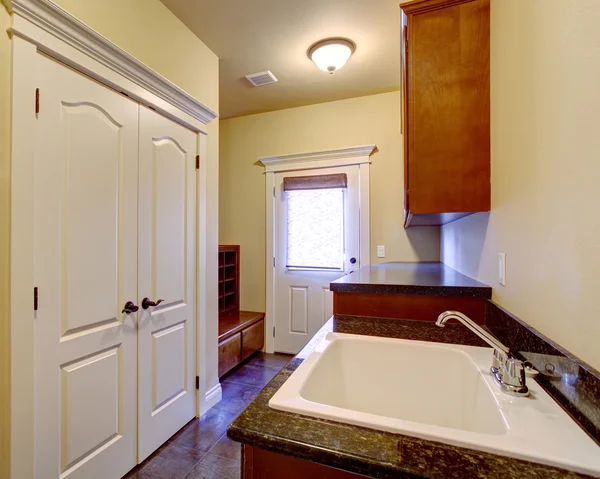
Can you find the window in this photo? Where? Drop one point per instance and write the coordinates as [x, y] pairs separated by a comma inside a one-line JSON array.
[[315, 228]]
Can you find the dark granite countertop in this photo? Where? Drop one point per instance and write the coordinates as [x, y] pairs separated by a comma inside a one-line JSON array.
[[433, 279], [371, 452]]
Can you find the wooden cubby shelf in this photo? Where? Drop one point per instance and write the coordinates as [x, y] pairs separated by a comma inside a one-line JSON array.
[[229, 279], [241, 333]]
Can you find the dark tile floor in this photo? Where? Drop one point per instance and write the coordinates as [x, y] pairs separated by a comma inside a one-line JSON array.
[[201, 450]]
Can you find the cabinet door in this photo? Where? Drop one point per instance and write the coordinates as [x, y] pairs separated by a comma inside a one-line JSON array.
[[85, 263], [403, 101], [448, 106], [253, 339], [229, 353], [167, 272]]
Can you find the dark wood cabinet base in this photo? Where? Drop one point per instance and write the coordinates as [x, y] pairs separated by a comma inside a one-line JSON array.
[[241, 334], [407, 306], [261, 464]]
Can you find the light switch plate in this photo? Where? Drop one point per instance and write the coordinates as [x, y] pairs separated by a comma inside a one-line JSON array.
[[381, 251], [502, 268]]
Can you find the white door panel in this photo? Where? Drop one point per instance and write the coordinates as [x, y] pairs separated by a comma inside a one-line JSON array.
[[170, 165], [169, 371], [85, 269], [298, 322], [93, 380], [303, 301], [167, 271]]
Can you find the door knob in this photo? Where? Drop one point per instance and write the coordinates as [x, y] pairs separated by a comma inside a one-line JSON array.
[[353, 260], [130, 307], [147, 302]]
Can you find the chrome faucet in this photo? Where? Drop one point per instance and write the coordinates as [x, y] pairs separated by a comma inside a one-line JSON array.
[[508, 372]]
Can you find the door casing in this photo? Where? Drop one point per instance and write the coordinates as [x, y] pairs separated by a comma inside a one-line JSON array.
[[358, 155]]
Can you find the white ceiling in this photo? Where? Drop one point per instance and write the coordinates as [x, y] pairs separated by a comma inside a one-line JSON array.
[[251, 36]]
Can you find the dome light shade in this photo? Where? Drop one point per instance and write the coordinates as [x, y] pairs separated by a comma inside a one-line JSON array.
[[331, 54]]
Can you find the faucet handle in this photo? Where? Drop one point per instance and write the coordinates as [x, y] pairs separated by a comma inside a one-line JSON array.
[[509, 375], [498, 360], [514, 373]]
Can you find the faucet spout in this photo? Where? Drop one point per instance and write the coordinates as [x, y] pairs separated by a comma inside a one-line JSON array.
[[478, 330], [508, 372]]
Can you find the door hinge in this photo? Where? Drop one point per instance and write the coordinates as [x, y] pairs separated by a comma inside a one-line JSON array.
[[197, 382], [35, 299], [273, 331], [37, 101], [197, 162], [273, 261], [273, 192]]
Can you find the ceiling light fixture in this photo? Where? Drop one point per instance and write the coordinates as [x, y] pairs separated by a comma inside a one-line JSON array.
[[331, 54]]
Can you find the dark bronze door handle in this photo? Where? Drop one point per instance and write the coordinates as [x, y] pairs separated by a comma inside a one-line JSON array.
[[147, 302], [130, 307]]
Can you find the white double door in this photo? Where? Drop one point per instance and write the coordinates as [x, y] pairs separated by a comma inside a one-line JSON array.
[[115, 208]]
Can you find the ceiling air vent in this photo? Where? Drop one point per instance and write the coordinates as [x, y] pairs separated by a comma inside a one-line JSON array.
[[262, 78]]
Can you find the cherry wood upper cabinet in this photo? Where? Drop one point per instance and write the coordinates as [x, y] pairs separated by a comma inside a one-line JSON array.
[[446, 109]]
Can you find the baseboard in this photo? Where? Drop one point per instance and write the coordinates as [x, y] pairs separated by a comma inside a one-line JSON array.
[[213, 396]]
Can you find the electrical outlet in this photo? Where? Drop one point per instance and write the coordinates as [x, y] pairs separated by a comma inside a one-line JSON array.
[[381, 251], [502, 268]]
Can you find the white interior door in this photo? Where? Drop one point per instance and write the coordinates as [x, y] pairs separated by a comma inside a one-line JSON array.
[[167, 272], [317, 238], [86, 270]]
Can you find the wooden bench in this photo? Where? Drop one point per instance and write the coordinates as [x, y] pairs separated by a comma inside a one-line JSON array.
[[240, 335]]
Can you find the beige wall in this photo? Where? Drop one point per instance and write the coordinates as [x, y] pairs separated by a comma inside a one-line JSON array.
[[150, 32], [358, 121], [545, 172], [4, 240]]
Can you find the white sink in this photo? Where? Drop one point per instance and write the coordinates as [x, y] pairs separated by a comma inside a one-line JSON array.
[[434, 391]]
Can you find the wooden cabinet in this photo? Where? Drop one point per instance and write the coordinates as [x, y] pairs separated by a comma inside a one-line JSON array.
[[446, 109], [230, 353], [259, 463], [229, 279], [253, 339], [407, 306], [241, 334]]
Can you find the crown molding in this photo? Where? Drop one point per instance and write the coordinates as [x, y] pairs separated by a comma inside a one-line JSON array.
[[322, 158], [52, 19]]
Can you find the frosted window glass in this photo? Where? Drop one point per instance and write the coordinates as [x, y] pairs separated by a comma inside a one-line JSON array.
[[315, 228]]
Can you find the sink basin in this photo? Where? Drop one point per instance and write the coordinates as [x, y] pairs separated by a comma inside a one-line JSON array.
[[422, 383], [434, 391]]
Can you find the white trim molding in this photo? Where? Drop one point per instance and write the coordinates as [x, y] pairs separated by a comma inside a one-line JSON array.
[[22, 378], [209, 388], [359, 156], [318, 159], [212, 397], [50, 18]]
